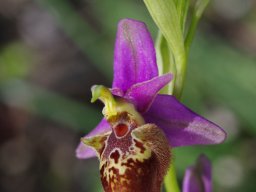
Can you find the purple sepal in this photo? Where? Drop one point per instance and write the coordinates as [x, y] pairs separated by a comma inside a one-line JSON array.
[[134, 55], [181, 125], [85, 152], [198, 178]]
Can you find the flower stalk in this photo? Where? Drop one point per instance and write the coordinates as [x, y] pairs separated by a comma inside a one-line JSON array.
[[170, 180]]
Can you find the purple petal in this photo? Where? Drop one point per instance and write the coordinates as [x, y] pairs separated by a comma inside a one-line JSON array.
[[198, 178], [134, 56], [142, 94], [181, 125], [85, 152], [117, 92]]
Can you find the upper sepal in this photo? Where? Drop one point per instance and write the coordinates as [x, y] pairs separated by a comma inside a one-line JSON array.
[[134, 55]]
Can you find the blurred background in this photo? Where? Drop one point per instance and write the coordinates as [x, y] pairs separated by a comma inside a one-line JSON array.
[[53, 51]]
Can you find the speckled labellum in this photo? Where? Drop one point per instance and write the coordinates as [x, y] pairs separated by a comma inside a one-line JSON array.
[[134, 156]]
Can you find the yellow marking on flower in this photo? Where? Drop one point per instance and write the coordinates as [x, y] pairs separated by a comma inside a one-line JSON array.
[[96, 142], [130, 109], [122, 164]]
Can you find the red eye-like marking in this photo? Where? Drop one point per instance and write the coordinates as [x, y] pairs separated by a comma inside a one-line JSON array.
[[121, 130]]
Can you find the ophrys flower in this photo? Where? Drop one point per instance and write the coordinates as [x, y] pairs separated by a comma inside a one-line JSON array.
[[133, 140]]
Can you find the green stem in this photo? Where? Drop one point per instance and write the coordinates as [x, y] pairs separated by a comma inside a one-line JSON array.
[[181, 65], [170, 180], [165, 62]]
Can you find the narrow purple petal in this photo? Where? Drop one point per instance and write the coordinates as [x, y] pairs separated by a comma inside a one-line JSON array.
[[198, 178], [181, 125], [117, 92], [142, 94], [85, 152], [134, 56]]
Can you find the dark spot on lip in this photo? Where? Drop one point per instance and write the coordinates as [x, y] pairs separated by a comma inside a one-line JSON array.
[[115, 155], [139, 145]]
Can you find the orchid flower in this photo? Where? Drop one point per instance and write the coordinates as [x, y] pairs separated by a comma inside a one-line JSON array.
[[134, 139], [198, 178]]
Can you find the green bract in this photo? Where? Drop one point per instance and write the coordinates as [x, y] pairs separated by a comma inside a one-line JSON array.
[[175, 37]]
